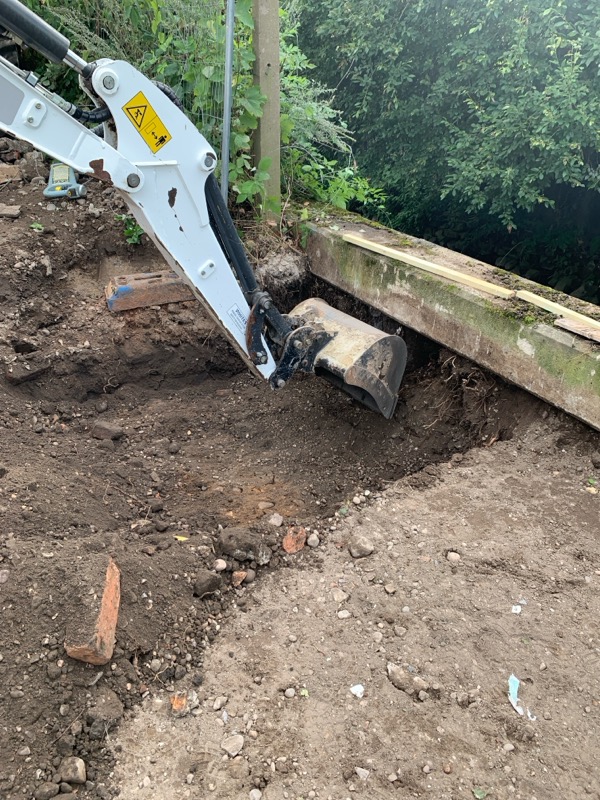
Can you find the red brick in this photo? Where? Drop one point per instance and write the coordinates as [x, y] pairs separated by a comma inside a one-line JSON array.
[[91, 635]]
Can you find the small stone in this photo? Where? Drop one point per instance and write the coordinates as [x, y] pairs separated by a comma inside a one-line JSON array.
[[423, 696], [255, 794], [448, 768], [106, 430], [360, 547], [10, 212], [72, 770], [24, 751], [357, 500], [182, 703], [174, 448], [390, 588], [206, 583], [313, 540], [453, 557], [426, 769], [543, 666], [399, 677], [291, 692], [250, 576], [392, 777], [264, 505], [362, 773], [156, 665], [4, 575], [239, 768], [46, 791], [508, 747], [233, 745], [276, 520], [344, 614], [147, 782], [406, 609], [220, 565], [219, 703], [243, 545], [462, 698], [101, 406], [339, 595], [238, 577], [596, 459], [292, 637], [358, 691]]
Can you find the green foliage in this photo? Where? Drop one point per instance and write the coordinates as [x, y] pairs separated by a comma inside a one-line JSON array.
[[491, 101], [483, 110], [181, 43], [317, 158], [131, 230]]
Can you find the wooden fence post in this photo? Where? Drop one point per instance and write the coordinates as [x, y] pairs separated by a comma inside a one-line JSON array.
[[266, 74]]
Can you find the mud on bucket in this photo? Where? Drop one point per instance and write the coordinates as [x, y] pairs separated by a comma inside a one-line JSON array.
[[366, 363]]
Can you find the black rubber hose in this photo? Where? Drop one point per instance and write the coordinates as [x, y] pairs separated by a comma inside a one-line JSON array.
[[226, 233], [96, 116], [223, 226], [33, 31], [170, 93]]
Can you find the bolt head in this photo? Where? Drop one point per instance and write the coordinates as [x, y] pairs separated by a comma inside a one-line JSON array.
[[280, 383], [108, 82], [209, 160], [133, 180]]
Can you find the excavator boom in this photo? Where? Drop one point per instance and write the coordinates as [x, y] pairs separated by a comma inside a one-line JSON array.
[[164, 169]]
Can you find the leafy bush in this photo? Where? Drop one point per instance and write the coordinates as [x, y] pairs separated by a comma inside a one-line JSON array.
[[181, 43]]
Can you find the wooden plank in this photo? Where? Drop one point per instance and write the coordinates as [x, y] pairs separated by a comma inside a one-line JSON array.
[[428, 266], [556, 308], [579, 328], [145, 289]]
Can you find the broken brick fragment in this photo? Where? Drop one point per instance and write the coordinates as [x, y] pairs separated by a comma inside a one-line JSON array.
[[91, 635]]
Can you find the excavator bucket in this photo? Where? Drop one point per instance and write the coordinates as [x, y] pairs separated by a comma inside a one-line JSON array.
[[363, 361]]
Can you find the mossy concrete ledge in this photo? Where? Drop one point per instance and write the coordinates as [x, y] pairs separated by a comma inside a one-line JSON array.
[[508, 337]]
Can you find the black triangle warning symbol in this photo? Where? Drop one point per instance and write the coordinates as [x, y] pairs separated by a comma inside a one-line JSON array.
[[137, 114]]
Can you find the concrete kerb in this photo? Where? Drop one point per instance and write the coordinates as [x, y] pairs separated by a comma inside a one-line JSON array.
[[559, 367]]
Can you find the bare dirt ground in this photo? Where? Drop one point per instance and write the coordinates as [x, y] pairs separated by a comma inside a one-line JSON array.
[[475, 498]]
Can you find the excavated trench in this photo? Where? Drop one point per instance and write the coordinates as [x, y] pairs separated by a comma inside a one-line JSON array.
[[232, 450]]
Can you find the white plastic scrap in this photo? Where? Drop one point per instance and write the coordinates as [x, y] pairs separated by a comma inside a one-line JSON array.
[[358, 690], [513, 696], [518, 607]]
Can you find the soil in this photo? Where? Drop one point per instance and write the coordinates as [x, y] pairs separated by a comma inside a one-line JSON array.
[[475, 498]]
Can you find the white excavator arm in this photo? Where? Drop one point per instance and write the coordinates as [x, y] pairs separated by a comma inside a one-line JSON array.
[[163, 167]]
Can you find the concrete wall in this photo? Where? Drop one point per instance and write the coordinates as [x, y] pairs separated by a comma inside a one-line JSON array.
[[510, 338]]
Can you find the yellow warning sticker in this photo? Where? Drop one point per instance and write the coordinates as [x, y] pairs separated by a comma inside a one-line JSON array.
[[147, 122]]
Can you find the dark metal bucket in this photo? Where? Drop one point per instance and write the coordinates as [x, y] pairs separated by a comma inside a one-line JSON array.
[[363, 361]]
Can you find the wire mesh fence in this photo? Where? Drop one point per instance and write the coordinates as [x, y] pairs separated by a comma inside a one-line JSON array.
[[180, 42]]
